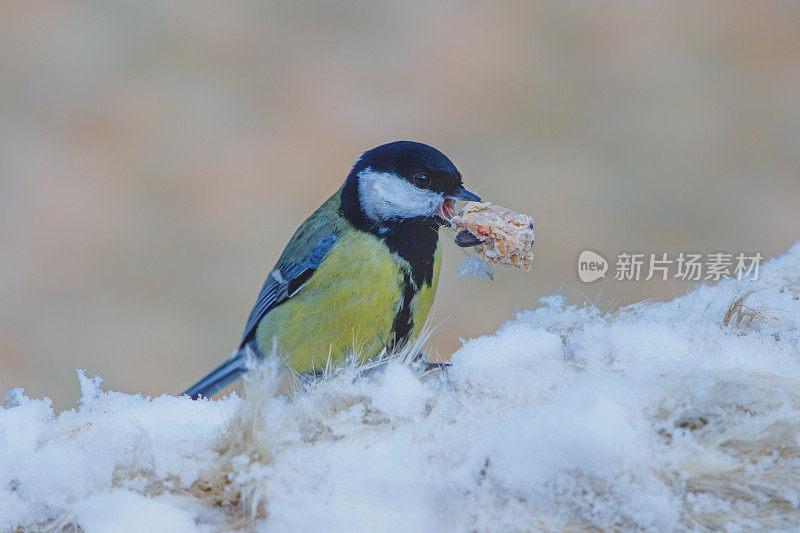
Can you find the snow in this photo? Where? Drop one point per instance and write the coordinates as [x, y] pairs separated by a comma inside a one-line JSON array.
[[400, 393], [657, 416], [118, 511]]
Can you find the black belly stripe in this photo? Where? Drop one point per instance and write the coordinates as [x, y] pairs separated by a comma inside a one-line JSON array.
[[403, 321]]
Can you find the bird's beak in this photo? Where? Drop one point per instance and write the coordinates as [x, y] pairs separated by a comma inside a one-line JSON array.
[[464, 194], [446, 211]]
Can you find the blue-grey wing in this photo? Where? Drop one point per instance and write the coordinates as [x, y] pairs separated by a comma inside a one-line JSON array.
[[284, 281]]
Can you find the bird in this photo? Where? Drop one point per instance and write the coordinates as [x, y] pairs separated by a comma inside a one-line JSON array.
[[360, 273]]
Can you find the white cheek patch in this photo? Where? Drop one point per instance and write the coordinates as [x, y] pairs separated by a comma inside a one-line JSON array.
[[387, 196]]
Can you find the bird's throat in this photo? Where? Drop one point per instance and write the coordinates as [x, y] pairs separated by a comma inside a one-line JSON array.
[[415, 241]]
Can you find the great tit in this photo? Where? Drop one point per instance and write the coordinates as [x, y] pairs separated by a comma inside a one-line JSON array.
[[360, 274]]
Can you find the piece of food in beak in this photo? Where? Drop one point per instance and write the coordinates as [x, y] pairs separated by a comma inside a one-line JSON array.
[[503, 236]]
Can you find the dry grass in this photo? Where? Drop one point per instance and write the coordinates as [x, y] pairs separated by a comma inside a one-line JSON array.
[[742, 314]]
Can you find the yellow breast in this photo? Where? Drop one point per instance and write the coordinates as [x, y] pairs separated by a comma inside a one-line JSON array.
[[347, 307]]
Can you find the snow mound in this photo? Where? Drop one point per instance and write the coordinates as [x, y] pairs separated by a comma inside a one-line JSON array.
[[662, 416]]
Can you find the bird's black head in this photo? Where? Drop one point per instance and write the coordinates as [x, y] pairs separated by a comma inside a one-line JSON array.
[[402, 181]]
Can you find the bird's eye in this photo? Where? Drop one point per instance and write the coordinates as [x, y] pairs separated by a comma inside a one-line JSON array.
[[422, 181]]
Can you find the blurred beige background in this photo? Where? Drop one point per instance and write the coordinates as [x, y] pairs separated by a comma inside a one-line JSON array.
[[156, 156]]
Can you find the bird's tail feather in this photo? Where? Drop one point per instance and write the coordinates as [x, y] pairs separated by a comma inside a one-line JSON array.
[[224, 374]]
